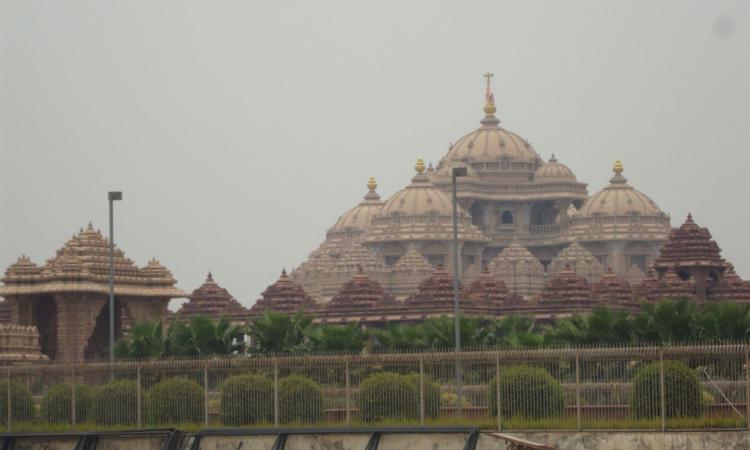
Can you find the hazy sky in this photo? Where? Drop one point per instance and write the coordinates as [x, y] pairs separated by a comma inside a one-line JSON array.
[[239, 131]]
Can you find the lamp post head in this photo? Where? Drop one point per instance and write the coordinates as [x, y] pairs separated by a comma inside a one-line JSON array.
[[114, 195], [460, 171]]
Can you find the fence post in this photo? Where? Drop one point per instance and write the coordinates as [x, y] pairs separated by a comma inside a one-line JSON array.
[[662, 393], [7, 387], [578, 391], [139, 401], [497, 393], [205, 394], [747, 385], [347, 394], [421, 391], [275, 393], [73, 396]]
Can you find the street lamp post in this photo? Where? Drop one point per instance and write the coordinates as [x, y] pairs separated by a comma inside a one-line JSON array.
[[112, 197], [456, 172]]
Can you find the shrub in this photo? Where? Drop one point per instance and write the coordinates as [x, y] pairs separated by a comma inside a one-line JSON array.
[[388, 395], [57, 405], [682, 391], [175, 401], [300, 400], [527, 392], [432, 397], [115, 403], [22, 405], [246, 399]]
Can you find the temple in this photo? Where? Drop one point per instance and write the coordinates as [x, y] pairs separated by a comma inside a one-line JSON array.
[[66, 299], [531, 240]]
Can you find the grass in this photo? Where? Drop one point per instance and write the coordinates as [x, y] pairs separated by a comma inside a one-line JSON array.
[[513, 424]]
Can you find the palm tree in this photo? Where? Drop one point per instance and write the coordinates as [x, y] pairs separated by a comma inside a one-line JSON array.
[[440, 332], [145, 340], [515, 331], [278, 333], [399, 337], [350, 338], [665, 322], [202, 337]]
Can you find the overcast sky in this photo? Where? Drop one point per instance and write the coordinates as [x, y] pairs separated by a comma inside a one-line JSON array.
[[239, 131]]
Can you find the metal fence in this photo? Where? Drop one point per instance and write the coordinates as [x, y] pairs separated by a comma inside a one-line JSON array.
[[633, 388]]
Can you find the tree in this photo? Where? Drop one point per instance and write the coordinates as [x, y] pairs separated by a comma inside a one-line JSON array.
[[601, 326], [440, 332], [515, 331], [665, 322], [202, 336], [146, 340], [337, 338], [277, 333], [723, 321], [399, 337]]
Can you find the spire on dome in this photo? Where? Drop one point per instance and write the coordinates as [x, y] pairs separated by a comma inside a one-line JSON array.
[[489, 104], [419, 166], [618, 167], [372, 184]]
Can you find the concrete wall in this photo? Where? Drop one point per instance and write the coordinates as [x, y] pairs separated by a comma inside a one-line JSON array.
[[683, 440]]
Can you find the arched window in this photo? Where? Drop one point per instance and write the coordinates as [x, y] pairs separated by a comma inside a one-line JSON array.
[[506, 218]]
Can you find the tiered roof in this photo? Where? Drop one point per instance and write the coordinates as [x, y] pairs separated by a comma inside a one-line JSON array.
[[486, 294], [519, 269], [614, 292], [567, 292], [435, 294], [731, 288], [283, 296], [212, 300], [689, 246], [671, 286], [358, 294], [577, 257], [82, 265]]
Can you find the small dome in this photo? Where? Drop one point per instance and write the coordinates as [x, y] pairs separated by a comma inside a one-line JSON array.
[[554, 172], [359, 217], [619, 199], [419, 198]]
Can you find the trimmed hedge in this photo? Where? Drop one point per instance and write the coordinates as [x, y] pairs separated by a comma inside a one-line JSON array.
[[432, 397], [300, 400], [175, 401], [390, 395], [682, 391], [115, 403], [57, 405], [527, 392], [22, 404], [246, 400]]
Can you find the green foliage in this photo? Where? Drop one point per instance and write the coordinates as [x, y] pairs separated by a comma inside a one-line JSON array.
[[665, 322], [527, 392], [21, 403], [337, 338], [57, 407], [200, 337], [115, 403], [682, 391], [399, 337], [601, 326], [300, 400], [388, 395], [431, 393], [246, 400], [279, 333], [175, 400]]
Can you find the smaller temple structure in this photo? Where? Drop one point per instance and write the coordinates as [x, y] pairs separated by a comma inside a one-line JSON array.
[[692, 254], [566, 294], [284, 296], [212, 300], [66, 299], [615, 292], [19, 344]]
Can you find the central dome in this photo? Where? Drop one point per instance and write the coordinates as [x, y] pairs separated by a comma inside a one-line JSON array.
[[492, 143]]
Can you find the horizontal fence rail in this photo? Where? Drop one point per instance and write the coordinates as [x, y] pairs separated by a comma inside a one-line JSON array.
[[601, 388]]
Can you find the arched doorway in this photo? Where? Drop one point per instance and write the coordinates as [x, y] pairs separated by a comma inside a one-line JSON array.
[[45, 318]]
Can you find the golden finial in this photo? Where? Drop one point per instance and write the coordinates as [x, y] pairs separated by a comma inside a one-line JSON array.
[[372, 184], [618, 168], [489, 97], [419, 166]]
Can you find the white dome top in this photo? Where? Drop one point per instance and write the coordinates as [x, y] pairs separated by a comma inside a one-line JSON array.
[[619, 199], [554, 172], [360, 217]]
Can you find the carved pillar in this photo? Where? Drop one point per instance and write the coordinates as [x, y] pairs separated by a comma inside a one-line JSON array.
[[76, 319]]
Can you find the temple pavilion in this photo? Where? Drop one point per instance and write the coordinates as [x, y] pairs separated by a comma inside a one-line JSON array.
[[66, 298]]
